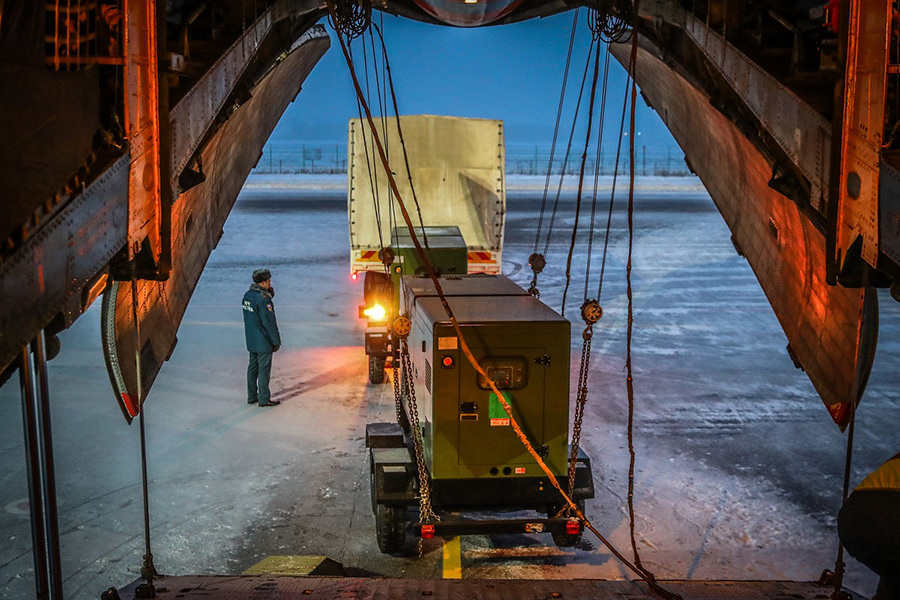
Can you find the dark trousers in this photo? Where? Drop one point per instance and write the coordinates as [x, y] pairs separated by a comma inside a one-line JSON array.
[[869, 528], [259, 369]]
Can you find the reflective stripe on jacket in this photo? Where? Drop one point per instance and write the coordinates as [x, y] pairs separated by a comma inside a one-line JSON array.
[[885, 477]]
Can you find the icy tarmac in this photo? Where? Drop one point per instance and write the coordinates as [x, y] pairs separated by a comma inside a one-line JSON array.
[[739, 467]]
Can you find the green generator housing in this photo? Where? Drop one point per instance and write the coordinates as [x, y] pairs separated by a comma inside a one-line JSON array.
[[447, 253], [524, 346]]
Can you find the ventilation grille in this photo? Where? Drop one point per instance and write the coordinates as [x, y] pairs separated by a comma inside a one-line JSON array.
[[427, 375], [471, 276]]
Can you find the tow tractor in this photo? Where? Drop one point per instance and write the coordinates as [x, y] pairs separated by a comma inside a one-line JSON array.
[[458, 167], [451, 450]]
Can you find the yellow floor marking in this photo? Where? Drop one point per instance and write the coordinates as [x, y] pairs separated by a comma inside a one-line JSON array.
[[285, 565], [452, 560]]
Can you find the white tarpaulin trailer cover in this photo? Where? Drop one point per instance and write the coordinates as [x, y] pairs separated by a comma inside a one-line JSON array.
[[458, 171]]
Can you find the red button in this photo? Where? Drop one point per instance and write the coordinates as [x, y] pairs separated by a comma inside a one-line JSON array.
[[448, 361]]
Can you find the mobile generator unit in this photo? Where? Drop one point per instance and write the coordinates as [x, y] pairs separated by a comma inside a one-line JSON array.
[[471, 457], [458, 168]]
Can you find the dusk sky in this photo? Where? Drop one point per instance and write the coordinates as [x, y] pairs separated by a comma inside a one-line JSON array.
[[511, 72]]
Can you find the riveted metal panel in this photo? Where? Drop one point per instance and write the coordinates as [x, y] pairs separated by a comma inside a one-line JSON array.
[[803, 134], [830, 328], [862, 125], [192, 117], [228, 158], [48, 274]]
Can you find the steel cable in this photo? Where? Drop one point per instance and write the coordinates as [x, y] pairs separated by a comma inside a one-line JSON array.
[[562, 174], [578, 198], [562, 98], [597, 161], [369, 167], [612, 194], [390, 78], [350, 18]]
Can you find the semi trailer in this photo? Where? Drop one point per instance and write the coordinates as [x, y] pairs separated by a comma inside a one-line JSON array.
[[450, 171]]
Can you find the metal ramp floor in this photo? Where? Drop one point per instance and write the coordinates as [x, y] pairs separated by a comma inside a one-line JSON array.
[[377, 588]]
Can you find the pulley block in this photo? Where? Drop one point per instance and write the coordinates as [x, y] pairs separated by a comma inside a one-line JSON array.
[[537, 262], [591, 311], [401, 326], [386, 256]]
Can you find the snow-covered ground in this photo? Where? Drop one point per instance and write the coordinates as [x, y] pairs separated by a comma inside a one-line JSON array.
[[738, 464]]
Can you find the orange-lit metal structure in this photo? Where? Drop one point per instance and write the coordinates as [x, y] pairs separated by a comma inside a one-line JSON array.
[[145, 92], [801, 102], [860, 121]]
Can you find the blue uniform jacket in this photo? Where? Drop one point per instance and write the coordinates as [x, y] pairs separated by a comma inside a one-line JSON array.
[[260, 327]]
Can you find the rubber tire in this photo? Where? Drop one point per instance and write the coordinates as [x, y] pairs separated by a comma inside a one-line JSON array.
[[390, 528], [376, 369], [565, 540]]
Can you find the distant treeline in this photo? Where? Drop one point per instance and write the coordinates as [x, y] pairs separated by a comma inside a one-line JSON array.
[[521, 159]]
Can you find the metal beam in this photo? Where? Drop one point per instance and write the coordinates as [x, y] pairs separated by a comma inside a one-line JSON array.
[[802, 133], [35, 391], [860, 112]]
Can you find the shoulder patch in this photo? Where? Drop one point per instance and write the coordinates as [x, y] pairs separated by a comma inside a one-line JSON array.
[[269, 306]]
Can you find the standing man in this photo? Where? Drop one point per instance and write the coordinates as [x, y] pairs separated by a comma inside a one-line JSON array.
[[263, 339]]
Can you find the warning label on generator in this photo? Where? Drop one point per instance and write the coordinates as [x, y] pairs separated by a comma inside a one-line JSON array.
[[447, 343], [496, 412]]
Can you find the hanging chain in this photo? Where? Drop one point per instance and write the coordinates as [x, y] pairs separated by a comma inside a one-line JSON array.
[[350, 18], [537, 262], [591, 312], [398, 403], [402, 327], [425, 511]]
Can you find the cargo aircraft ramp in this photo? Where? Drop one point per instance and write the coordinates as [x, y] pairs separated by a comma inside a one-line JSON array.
[[376, 588]]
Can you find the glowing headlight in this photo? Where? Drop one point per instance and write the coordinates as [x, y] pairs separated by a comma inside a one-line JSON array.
[[376, 313]]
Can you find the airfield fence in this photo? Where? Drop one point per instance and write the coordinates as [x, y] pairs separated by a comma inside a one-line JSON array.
[[521, 159]]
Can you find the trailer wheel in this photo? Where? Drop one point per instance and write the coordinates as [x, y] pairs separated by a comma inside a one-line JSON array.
[[376, 369], [565, 540], [390, 528], [372, 491]]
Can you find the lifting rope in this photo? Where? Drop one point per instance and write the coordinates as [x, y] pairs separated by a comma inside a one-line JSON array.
[[537, 261], [598, 159], [578, 198], [642, 573], [591, 312], [390, 78], [628, 366], [373, 176], [387, 84]]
